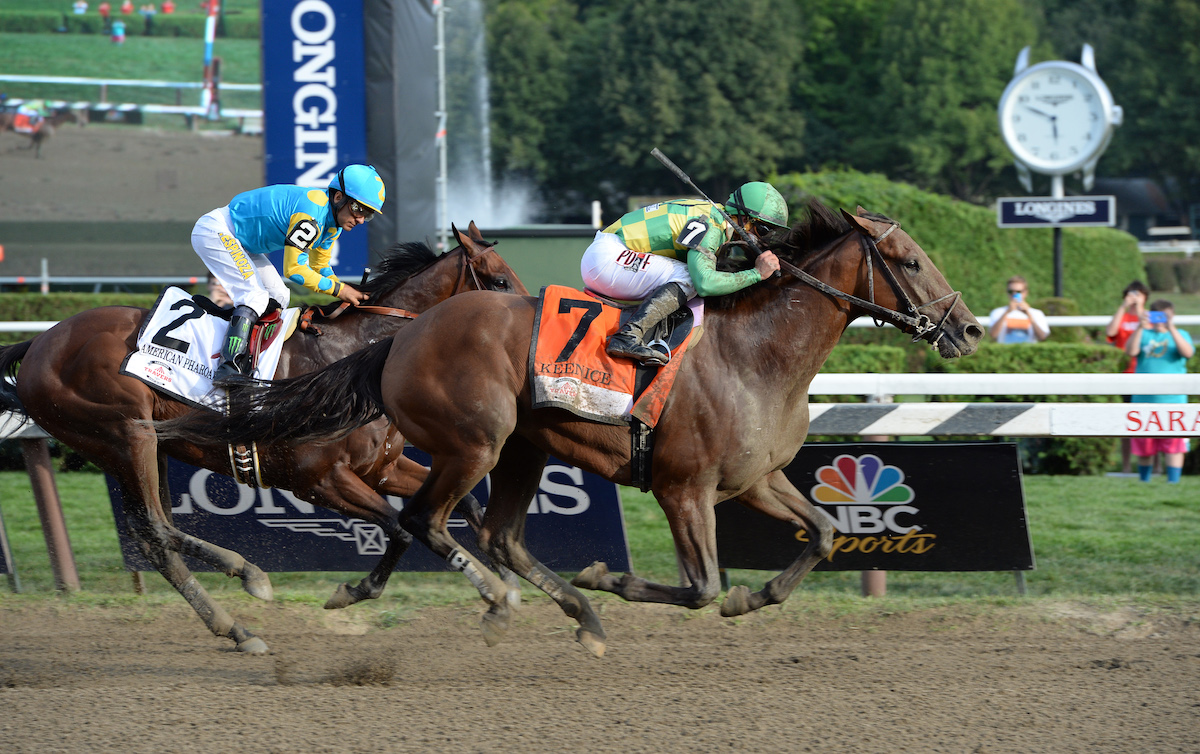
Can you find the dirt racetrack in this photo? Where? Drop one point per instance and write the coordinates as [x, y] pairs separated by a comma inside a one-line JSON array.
[[1037, 677]]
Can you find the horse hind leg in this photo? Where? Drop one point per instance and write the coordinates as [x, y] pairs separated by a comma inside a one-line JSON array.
[[425, 517], [515, 481], [775, 496], [693, 527]]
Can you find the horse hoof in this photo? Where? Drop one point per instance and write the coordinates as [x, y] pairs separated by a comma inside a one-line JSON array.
[[342, 597], [257, 584], [494, 625], [593, 643], [737, 602], [253, 646], [590, 577]]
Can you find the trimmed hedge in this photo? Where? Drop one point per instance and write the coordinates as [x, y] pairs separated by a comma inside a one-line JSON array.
[[234, 26], [976, 256]]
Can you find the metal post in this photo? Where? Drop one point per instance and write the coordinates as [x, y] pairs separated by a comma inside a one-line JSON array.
[[14, 582], [45, 276], [443, 177], [874, 583], [1056, 192], [54, 526]]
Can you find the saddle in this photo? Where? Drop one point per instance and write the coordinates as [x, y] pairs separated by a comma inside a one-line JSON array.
[[264, 332]]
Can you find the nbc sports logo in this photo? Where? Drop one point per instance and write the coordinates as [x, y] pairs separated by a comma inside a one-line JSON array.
[[867, 495]]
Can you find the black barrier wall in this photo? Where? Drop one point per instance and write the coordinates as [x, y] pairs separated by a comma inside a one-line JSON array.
[[920, 506]]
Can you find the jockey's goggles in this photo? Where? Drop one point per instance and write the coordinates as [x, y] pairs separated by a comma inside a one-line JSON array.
[[358, 210]]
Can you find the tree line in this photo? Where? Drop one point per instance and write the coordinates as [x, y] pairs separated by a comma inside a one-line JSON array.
[[581, 90]]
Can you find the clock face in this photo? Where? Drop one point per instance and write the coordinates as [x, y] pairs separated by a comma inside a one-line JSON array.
[[1055, 118]]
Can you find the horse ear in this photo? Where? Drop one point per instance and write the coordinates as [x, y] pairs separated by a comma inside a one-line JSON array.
[[458, 236], [860, 211], [473, 231], [857, 222]]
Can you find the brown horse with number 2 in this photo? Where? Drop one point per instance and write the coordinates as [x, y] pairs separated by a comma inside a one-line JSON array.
[[455, 383], [69, 384]]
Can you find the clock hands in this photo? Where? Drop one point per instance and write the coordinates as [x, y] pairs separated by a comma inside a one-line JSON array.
[[1053, 119]]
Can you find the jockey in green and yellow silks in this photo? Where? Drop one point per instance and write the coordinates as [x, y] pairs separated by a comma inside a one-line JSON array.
[[666, 253], [233, 241]]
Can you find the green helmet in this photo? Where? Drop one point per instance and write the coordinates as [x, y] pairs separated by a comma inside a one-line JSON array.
[[761, 201]]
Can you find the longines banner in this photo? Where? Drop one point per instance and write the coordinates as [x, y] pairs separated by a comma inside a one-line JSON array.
[[920, 506], [314, 112], [1047, 212], [575, 519]]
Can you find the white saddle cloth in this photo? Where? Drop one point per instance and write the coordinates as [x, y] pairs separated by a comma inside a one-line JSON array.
[[179, 346]]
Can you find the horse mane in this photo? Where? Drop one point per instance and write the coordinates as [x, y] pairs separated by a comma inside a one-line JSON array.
[[400, 262], [821, 227]]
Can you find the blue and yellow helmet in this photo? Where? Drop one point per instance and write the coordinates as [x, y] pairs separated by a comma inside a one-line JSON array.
[[362, 184]]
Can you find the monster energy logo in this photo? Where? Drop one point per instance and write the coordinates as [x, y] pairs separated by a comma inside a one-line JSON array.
[[235, 342]]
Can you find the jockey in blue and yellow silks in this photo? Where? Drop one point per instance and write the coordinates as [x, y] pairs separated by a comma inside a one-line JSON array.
[[233, 241]]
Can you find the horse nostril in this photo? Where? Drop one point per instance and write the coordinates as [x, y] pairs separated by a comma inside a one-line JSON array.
[[973, 333]]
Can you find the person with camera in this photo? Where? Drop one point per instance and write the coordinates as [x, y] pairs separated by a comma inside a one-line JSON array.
[[1019, 322], [1160, 348]]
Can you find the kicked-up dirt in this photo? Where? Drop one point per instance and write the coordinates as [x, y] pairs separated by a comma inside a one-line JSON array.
[[1041, 677]]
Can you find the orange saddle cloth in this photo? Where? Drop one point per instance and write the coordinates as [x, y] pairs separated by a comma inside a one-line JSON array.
[[570, 369]]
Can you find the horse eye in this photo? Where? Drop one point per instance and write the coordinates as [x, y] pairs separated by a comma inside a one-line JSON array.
[[501, 282], [913, 265]]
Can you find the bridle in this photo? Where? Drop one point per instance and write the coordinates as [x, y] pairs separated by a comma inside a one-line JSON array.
[[466, 264], [909, 320]]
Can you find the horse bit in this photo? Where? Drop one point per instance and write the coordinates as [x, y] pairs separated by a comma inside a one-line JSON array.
[[922, 326]]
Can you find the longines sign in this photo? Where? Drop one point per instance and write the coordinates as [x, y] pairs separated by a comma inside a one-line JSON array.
[[574, 519], [1045, 212], [921, 506]]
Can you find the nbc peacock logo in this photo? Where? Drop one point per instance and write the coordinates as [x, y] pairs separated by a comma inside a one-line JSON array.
[[865, 495], [862, 481]]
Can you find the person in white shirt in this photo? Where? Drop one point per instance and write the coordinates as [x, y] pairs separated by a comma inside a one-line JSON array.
[[1019, 322]]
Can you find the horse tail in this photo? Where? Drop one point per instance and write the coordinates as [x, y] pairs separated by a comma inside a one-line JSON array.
[[10, 358], [319, 406]]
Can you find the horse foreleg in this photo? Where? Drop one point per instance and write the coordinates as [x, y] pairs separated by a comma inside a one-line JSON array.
[[254, 580], [775, 496], [693, 526], [153, 542], [515, 481]]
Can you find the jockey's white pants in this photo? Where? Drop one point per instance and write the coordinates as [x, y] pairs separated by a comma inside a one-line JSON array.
[[610, 269], [251, 279]]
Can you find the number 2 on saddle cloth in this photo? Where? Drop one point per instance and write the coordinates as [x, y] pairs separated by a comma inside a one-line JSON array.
[[570, 369]]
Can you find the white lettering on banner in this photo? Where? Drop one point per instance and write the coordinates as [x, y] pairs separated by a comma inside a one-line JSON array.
[[316, 125], [199, 493], [868, 519], [1055, 211], [573, 491]]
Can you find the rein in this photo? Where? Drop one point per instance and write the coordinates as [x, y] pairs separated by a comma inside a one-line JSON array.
[[921, 325], [306, 317]]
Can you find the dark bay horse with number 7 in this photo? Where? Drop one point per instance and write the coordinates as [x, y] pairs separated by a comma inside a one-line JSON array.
[[456, 384], [69, 384]]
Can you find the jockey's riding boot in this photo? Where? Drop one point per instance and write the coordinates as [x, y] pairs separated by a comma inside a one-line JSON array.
[[235, 357], [629, 341]]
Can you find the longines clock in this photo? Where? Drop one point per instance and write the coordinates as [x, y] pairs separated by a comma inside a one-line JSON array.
[[1057, 117]]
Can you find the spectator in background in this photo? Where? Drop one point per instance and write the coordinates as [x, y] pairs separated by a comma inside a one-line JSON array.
[[1161, 349], [118, 32], [217, 293], [1128, 317], [105, 9], [1019, 322], [1124, 323], [168, 6], [80, 7], [148, 11], [127, 7]]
